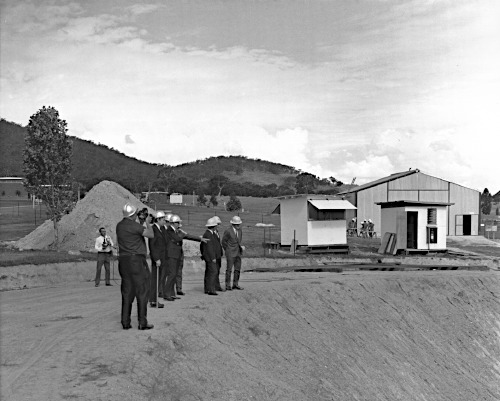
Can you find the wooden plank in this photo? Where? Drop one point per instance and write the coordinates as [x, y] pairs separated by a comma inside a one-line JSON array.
[[384, 243]]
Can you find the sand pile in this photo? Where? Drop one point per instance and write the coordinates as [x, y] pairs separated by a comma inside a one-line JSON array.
[[101, 207]]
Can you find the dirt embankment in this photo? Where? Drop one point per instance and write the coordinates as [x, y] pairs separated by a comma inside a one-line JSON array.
[[287, 336]]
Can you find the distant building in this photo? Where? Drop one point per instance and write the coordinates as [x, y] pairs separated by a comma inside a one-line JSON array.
[[413, 185], [176, 199], [12, 187], [418, 225], [313, 220]]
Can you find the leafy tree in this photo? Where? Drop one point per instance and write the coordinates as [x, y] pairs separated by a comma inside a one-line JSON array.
[[216, 183], [47, 163], [201, 200], [306, 183], [233, 204], [213, 200], [486, 201]]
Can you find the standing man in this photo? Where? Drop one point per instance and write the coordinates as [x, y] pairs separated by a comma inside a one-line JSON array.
[[209, 255], [231, 242], [218, 254], [175, 255], [133, 266], [157, 252], [104, 246]]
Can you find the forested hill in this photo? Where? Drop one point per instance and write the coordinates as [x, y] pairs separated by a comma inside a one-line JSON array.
[[223, 175]]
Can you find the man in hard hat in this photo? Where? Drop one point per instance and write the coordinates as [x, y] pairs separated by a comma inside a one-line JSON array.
[[219, 254], [133, 267], [175, 255], [231, 242], [157, 252], [209, 255]]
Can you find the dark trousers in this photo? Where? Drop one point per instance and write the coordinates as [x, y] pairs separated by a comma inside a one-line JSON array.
[[103, 258], [163, 279], [154, 281], [210, 275], [217, 279], [178, 277], [233, 262], [172, 271], [134, 272]]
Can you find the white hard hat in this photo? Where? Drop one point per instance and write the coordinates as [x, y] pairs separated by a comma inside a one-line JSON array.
[[217, 219], [175, 219], [370, 220], [168, 216], [211, 222], [236, 220], [129, 210], [160, 214]]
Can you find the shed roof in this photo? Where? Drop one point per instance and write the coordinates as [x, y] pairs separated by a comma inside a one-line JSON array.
[[391, 177], [331, 204], [400, 203]]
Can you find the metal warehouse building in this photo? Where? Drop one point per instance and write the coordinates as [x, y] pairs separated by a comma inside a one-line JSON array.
[[413, 185]]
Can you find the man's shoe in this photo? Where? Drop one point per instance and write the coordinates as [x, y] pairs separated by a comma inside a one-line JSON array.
[[220, 289], [181, 293], [175, 297], [97, 285], [155, 305], [146, 327], [109, 285], [212, 293], [228, 288], [169, 299], [237, 287], [126, 327]]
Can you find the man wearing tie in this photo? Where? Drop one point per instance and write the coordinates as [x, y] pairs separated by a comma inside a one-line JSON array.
[[231, 242], [104, 246], [157, 252], [175, 255], [209, 255], [219, 252]]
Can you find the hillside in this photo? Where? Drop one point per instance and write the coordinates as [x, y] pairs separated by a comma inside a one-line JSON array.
[[93, 163]]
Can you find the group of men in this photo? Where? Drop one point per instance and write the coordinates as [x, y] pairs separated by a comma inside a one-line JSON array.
[[165, 239], [367, 229]]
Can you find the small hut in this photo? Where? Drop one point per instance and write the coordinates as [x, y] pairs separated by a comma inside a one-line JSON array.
[[416, 226], [314, 222]]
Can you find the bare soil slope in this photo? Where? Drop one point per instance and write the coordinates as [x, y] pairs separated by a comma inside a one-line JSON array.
[[287, 336]]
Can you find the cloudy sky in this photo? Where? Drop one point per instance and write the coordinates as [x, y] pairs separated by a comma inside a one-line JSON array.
[[343, 88]]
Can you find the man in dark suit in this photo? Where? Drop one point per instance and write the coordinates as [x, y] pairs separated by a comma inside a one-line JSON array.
[[231, 242], [174, 237], [209, 255], [218, 254], [157, 253]]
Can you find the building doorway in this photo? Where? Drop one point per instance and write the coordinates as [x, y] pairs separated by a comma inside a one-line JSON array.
[[411, 230], [467, 224]]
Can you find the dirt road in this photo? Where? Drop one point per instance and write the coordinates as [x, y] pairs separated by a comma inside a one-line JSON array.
[[288, 336]]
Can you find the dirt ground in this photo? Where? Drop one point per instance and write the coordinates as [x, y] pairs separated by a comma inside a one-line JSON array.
[[419, 335]]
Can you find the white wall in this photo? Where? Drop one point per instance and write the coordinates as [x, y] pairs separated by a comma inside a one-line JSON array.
[[293, 217], [326, 232]]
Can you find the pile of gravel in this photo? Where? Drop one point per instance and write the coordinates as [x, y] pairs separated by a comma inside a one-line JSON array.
[[101, 207]]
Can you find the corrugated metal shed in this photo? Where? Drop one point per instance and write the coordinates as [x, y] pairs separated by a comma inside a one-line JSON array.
[[413, 185]]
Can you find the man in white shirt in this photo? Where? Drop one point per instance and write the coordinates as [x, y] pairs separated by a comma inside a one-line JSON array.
[[104, 246]]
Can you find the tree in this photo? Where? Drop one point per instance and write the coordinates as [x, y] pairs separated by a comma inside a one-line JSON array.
[[486, 201], [213, 200], [216, 183], [233, 204], [201, 200], [47, 163], [305, 184]]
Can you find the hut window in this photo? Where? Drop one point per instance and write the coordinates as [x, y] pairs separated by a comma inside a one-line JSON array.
[[432, 235], [325, 214], [432, 216]]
